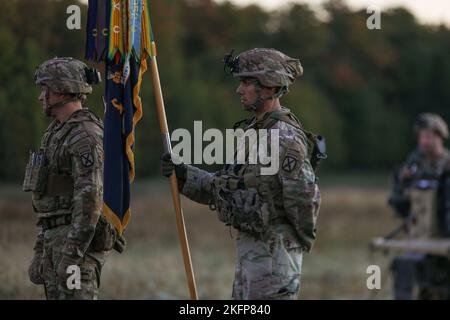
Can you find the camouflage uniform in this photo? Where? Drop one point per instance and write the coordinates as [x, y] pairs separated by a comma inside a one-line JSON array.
[[417, 167], [275, 215], [66, 181], [414, 196]]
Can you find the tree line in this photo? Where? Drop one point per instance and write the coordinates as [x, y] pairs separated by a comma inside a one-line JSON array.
[[361, 88]]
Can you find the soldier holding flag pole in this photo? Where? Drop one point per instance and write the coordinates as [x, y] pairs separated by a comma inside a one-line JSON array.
[[129, 42]]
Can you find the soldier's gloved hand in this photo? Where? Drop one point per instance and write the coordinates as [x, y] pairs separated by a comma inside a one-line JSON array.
[[167, 167], [35, 271], [120, 244], [62, 268]]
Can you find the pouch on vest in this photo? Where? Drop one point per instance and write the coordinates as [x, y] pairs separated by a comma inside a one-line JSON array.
[[423, 216], [36, 173], [247, 213]]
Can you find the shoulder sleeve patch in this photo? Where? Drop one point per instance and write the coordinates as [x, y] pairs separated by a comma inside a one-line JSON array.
[[87, 159], [292, 155], [290, 162], [82, 148]]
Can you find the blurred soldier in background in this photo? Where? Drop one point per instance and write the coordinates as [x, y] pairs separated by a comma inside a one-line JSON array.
[[420, 196], [66, 181], [275, 215]]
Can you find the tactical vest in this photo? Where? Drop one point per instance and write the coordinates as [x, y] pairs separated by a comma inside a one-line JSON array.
[[427, 201], [423, 218], [244, 176], [316, 143], [48, 173]]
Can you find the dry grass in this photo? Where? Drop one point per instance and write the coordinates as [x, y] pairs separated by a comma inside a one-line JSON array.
[[152, 267]]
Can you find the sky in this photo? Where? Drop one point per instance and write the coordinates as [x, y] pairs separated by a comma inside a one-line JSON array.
[[427, 11]]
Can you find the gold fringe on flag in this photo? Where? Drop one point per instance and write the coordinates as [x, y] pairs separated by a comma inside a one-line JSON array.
[[136, 118]]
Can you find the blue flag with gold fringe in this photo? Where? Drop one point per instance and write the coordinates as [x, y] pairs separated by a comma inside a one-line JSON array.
[[123, 43]]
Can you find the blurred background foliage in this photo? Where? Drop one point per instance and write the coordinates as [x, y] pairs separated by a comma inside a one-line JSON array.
[[361, 88]]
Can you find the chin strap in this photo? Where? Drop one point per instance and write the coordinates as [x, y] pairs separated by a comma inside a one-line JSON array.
[[260, 100], [49, 107]]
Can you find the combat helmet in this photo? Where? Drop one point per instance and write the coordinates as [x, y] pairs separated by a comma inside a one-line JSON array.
[[433, 122], [66, 76], [268, 67]]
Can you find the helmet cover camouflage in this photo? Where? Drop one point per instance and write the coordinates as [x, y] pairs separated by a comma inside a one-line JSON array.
[[66, 76], [433, 122], [270, 67]]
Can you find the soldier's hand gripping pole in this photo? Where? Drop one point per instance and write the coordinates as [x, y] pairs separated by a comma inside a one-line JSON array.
[[173, 179]]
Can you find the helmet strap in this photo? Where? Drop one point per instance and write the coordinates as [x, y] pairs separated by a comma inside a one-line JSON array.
[[281, 92], [260, 100], [49, 107], [278, 94]]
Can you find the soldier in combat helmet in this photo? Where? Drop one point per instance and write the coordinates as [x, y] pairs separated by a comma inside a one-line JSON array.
[[274, 214], [420, 195], [65, 177]]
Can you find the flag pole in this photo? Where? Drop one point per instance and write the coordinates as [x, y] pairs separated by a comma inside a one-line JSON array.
[[160, 110]]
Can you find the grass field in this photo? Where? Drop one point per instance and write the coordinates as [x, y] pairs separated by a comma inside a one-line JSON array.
[[152, 268]]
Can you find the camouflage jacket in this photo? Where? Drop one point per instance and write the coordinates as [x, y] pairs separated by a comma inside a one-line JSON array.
[[286, 202], [415, 167], [68, 178]]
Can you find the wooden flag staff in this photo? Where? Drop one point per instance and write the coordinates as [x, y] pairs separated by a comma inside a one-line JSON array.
[[173, 179]]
